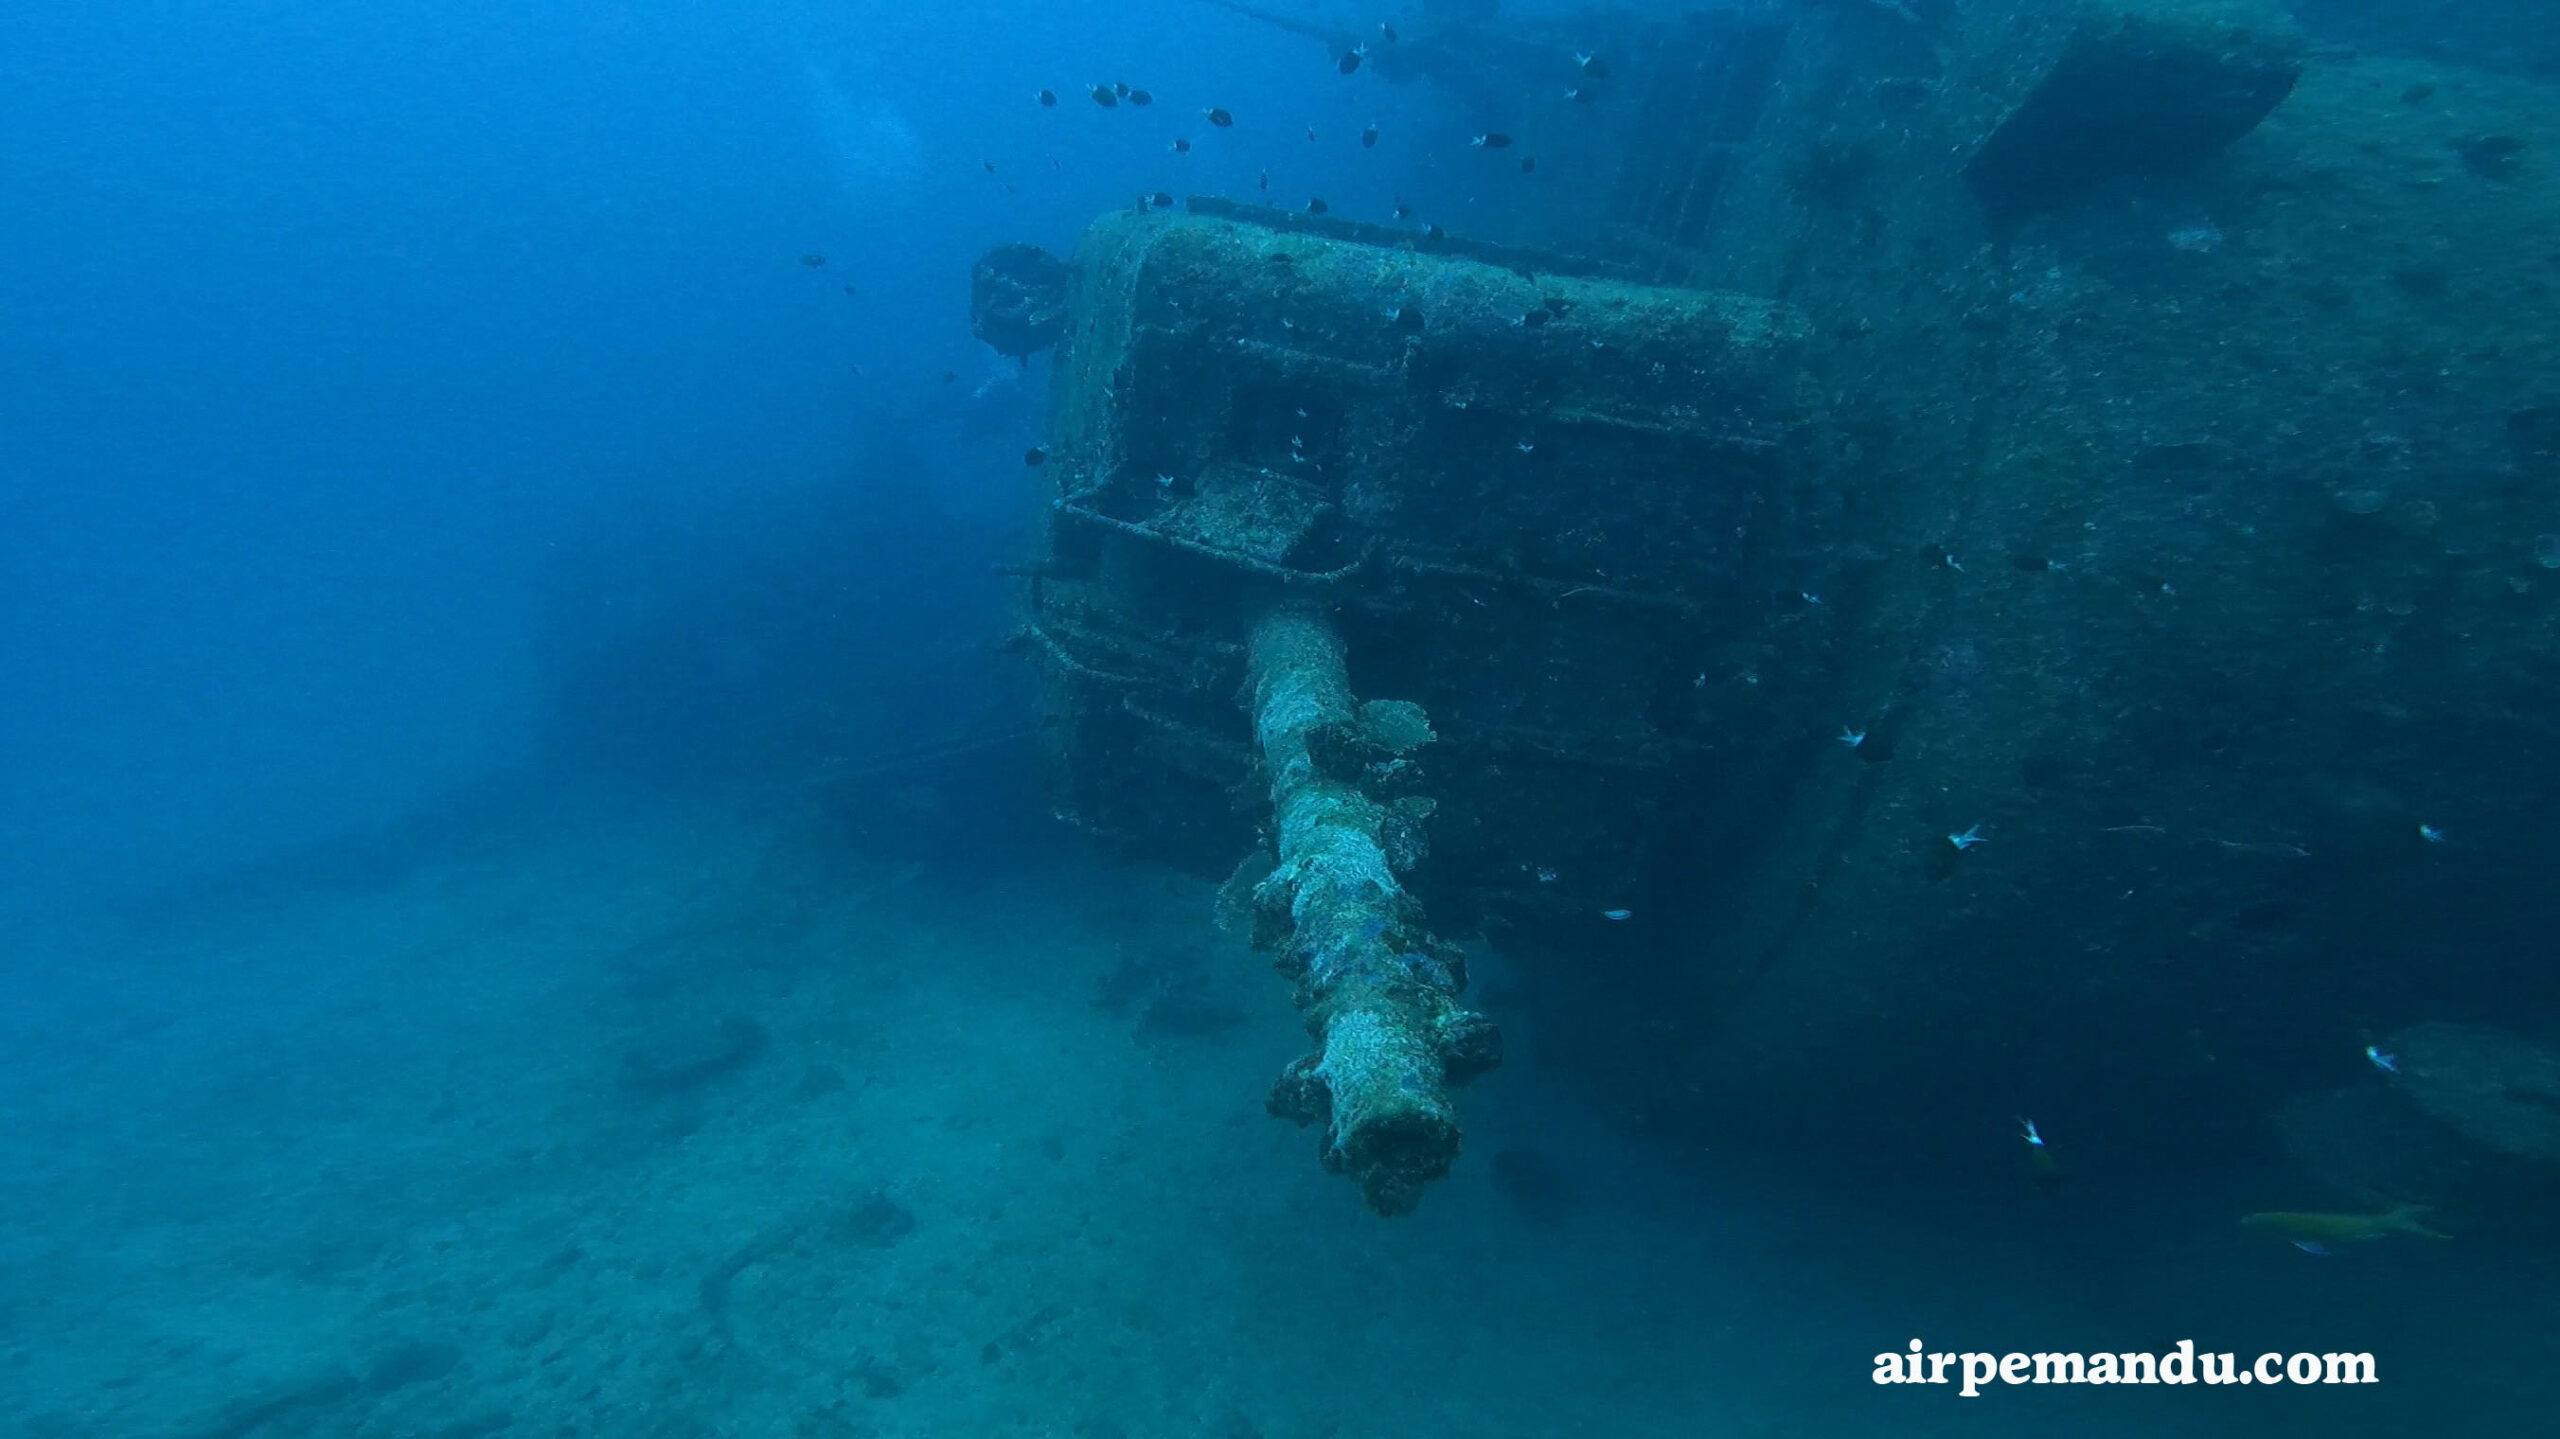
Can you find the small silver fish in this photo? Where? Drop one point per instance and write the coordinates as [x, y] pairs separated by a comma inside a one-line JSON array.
[[2039, 1157]]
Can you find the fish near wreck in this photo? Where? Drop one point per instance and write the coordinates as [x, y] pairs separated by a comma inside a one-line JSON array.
[[2318, 1231]]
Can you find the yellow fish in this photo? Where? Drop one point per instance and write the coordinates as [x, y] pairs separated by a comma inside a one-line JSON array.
[[2312, 1231]]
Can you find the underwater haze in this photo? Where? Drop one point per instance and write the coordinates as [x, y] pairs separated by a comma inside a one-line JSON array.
[[624, 815]]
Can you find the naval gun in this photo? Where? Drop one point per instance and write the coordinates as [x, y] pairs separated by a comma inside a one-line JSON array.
[[2030, 647], [1419, 580]]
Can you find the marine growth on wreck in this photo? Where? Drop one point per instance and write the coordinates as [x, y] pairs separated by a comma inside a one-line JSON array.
[[1922, 508]]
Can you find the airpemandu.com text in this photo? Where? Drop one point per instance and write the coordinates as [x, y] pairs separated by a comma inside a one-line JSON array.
[[2180, 1365]]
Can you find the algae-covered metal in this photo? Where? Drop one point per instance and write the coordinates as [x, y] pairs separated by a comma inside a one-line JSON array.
[[1549, 511], [2094, 643], [1378, 988]]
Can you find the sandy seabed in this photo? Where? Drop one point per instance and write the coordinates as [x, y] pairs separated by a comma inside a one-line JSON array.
[[658, 1120]]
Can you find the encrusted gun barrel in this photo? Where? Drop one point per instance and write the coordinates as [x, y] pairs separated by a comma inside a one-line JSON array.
[[1378, 989], [1533, 513]]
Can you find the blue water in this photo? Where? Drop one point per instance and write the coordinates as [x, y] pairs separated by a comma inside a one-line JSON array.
[[528, 905]]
